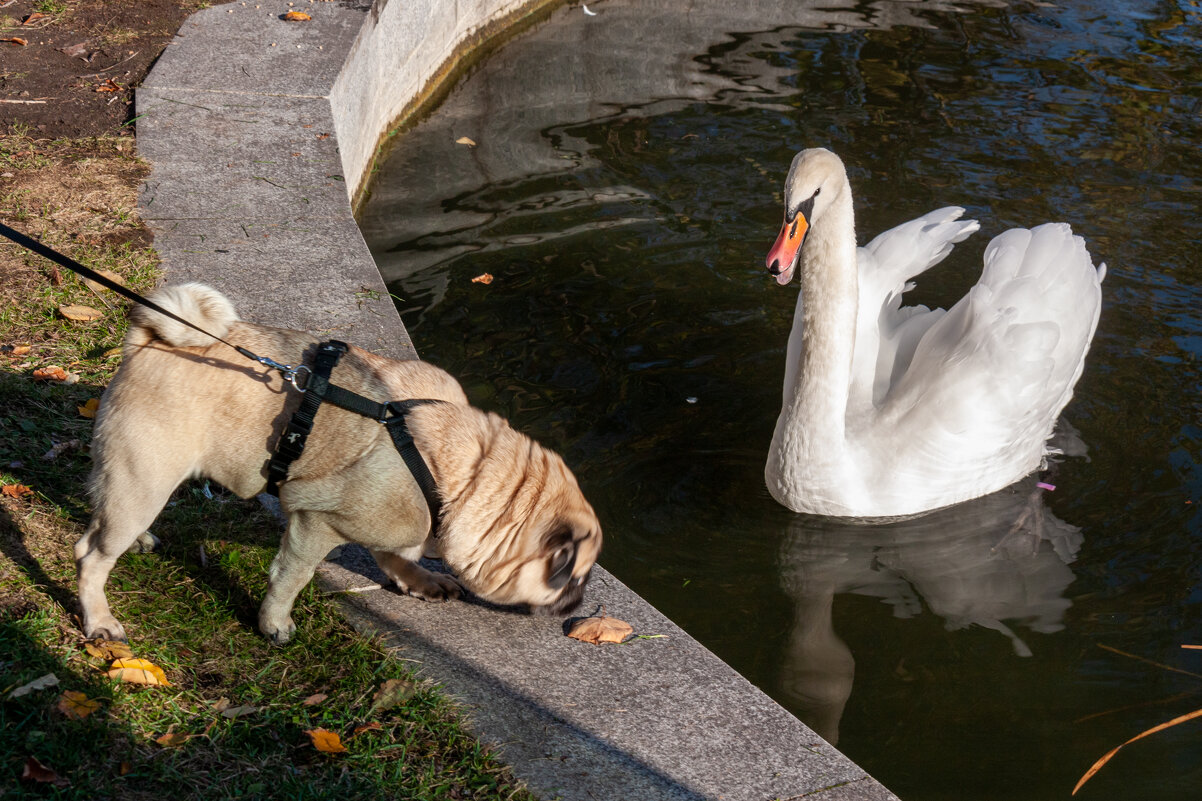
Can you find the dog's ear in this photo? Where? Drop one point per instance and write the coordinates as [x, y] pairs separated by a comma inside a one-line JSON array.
[[562, 552]]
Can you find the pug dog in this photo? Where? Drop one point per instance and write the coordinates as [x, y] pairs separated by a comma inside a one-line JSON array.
[[515, 527]]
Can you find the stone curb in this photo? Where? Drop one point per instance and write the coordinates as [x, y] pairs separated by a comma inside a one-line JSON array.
[[258, 131]]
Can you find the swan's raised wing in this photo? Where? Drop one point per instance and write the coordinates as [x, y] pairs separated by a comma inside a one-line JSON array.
[[989, 378], [887, 333]]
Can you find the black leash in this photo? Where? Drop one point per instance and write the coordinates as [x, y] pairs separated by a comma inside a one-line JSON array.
[[315, 390]]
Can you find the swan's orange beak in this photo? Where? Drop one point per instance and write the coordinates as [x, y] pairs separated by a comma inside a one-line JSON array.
[[782, 259]]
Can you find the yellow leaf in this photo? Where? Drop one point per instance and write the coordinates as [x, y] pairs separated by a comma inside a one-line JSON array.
[[96, 286], [326, 741], [1197, 713], [173, 739], [88, 410], [297, 16], [138, 671], [483, 278], [600, 629], [81, 313], [14, 350], [15, 490], [77, 705], [108, 649], [463, 140]]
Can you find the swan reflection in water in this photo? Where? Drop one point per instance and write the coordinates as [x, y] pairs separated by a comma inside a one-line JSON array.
[[1000, 558]]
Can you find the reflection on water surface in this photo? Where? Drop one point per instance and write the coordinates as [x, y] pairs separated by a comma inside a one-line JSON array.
[[624, 191]]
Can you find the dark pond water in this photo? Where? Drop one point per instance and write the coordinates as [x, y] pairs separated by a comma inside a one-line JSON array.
[[623, 190]]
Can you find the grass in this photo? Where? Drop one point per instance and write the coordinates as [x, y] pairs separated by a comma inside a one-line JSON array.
[[190, 608]]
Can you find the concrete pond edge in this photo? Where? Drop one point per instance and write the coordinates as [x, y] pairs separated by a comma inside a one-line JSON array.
[[260, 132]]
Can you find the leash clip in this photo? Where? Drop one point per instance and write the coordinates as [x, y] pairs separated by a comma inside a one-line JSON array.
[[289, 372]]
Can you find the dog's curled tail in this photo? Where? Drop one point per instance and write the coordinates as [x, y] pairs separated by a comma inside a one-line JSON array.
[[199, 304]]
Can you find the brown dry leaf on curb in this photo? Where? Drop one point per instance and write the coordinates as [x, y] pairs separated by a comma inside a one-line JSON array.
[[297, 16], [138, 671], [483, 278], [602, 629], [326, 741], [16, 490], [109, 86], [76, 705], [80, 313], [35, 771], [108, 649]]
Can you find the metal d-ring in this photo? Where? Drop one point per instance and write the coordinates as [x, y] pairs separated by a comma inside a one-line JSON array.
[[291, 373]]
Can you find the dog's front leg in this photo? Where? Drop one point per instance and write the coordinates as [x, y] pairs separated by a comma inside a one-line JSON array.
[[307, 540], [413, 579]]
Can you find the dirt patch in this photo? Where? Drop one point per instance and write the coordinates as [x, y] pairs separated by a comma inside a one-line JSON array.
[[68, 68]]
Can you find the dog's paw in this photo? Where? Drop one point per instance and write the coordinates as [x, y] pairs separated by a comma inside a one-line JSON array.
[[108, 629], [278, 632], [145, 543], [433, 587]]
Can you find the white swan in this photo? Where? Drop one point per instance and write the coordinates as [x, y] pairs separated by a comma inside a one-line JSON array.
[[892, 411]]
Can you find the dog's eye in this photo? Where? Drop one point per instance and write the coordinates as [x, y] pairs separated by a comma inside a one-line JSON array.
[[562, 562]]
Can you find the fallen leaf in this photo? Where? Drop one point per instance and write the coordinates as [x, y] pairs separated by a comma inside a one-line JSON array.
[[221, 704], [137, 671], [75, 50], [463, 140], [59, 448], [34, 17], [108, 649], [483, 278], [16, 490], [111, 352], [109, 86], [1098, 765], [323, 136], [15, 40], [35, 771], [14, 350], [173, 739], [51, 373], [84, 313], [76, 705], [326, 741], [315, 699], [373, 726], [600, 629], [392, 693], [88, 410], [40, 683], [297, 16], [238, 711], [96, 286]]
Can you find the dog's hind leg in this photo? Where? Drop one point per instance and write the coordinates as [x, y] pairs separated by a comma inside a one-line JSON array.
[[308, 539], [125, 506]]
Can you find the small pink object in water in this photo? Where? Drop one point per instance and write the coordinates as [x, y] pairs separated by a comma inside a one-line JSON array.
[[1048, 487]]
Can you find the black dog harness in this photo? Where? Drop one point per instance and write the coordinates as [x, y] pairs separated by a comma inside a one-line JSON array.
[[318, 389]]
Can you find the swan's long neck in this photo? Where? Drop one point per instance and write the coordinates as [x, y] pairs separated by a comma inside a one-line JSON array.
[[830, 294]]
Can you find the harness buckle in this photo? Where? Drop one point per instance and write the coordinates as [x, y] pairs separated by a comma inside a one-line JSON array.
[[292, 373]]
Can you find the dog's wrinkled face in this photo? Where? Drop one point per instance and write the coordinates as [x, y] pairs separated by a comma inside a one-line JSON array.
[[522, 532]]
